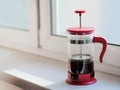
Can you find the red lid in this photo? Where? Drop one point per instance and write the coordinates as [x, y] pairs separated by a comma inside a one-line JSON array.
[[81, 30]]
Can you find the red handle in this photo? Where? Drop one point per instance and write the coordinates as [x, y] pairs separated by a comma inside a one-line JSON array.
[[104, 44]]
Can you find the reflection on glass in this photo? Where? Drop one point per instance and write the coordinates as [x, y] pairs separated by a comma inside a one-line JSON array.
[[14, 14]]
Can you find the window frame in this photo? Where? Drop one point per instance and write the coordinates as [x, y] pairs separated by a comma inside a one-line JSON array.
[[47, 40]]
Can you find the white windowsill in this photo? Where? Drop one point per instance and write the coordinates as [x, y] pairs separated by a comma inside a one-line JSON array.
[[41, 69], [104, 81]]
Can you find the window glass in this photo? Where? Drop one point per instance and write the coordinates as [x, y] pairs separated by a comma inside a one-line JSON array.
[[14, 14], [103, 15]]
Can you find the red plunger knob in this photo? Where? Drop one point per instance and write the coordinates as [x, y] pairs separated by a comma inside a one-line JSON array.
[[80, 12]]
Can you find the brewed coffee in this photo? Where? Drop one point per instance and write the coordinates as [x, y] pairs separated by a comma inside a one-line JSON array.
[[82, 65]]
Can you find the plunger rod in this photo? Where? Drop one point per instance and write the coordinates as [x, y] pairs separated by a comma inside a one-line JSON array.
[[80, 51], [80, 14], [80, 27], [80, 21]]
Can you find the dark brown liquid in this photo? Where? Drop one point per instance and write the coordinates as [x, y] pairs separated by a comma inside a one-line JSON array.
[[81, 66]]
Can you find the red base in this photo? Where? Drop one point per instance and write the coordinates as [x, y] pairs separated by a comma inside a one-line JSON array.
[[74, 82], [83, 79]]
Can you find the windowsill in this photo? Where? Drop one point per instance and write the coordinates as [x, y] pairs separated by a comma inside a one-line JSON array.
[[51, 70], [56, 81]]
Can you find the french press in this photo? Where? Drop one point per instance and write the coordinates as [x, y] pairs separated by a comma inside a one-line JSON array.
[[80, 54]]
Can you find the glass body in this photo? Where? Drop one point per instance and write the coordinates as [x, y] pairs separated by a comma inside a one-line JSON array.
[[80, 54]]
